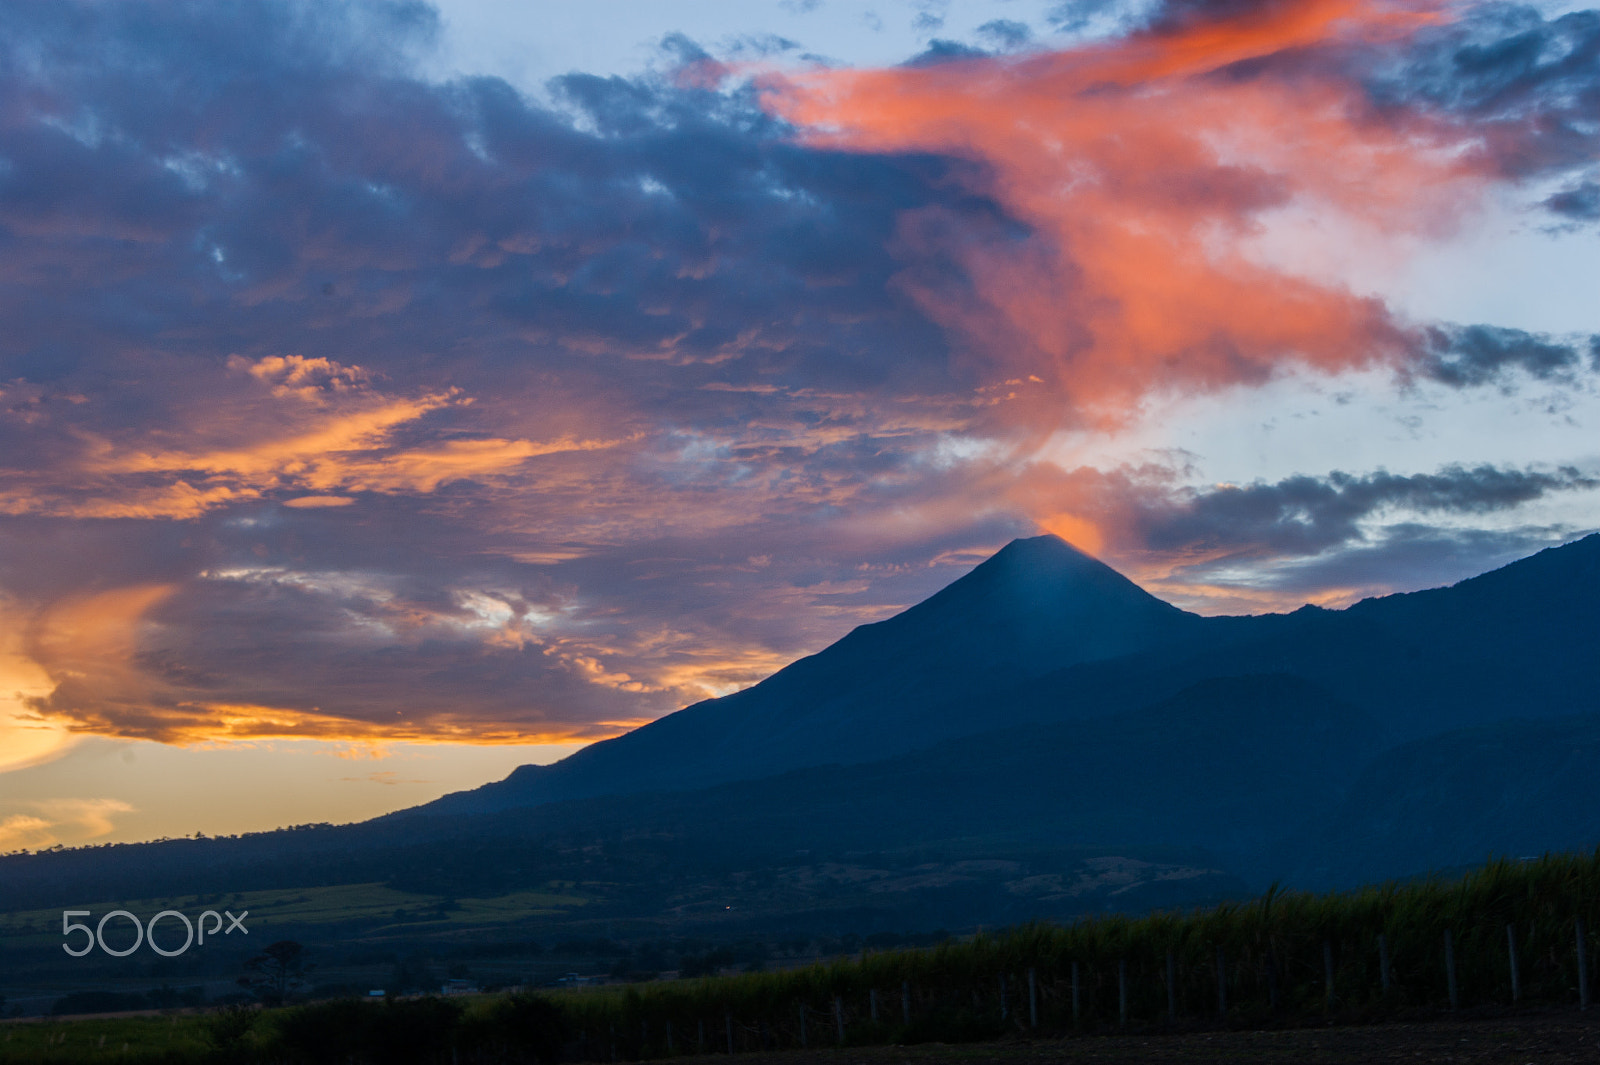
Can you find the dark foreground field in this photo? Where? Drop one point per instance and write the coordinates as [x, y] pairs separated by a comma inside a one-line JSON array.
[[1553, 1038]]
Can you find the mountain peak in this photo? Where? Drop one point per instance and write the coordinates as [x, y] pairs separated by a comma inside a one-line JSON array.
[[1046, 549], [1036, 606], [1044, 580]]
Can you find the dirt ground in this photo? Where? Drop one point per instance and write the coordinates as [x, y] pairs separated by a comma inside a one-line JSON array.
[[1556, 1038]]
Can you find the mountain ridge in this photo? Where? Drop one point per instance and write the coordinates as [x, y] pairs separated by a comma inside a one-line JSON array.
[[1037, 604], [1017, 614], [1321, 748]]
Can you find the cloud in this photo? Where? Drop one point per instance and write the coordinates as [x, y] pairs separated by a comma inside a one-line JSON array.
[[1474, 355], [374, 407], [940, 51], [23, 831], [1578, 204], [1523, 86], [60, 820], [1307, 515], [1330, 539], [1005, 34], [26, 738], [1116, 273], [324, 431]]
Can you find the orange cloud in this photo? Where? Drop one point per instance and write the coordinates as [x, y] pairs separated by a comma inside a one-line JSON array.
[[323, 433], [75, 820], [26, 739], [194, 723], [88, 645], [1142, 168]]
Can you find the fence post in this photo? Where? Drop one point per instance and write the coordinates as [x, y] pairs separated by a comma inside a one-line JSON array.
[[802, 1026], [671, 1050], [1122, 992], [1033, 1001], [1384, 976], [727, 1019], [1272, 982], [700, 1036], [1004, 1006], [1077, 1013], [1511, 952], [1327, 973], [611, 1034], [838, 1016], [1222, 984], [905, 1003], [1583, 967], [1172, 987], [1450, 968], [872, 1004], [644, 1038]]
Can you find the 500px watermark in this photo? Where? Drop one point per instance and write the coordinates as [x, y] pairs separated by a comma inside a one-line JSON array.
[[143, 932]]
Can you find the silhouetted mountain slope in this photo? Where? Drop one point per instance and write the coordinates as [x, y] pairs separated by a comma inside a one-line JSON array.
[[1036, 606], [1042, 702], [1220, 771], [1041, 632], [1518, 642], [1230, 765], [1510, 789]]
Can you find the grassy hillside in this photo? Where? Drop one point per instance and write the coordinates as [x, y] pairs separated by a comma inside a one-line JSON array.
[[374, 906], [1400, 949]]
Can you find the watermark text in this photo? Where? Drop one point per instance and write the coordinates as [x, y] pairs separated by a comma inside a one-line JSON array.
[[194, 932]]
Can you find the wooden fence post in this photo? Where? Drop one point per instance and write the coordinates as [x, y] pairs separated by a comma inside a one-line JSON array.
[[905, 1003], [1327, 973], [1450, 968], [700, 1036], [1005, 1010], [802, 1026], [1033, 1001], [671, 1050], [1172, 987], [1122, 992], [1385, 978], [872, 1005], [838, 1016], [727, 1019], [1222, 984], [1583, 967], [1511, 953], [1077, 1012]]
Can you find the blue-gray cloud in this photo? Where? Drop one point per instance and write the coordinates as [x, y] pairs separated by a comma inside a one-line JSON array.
[[1463, 356], [653, 379], [1307, 515]]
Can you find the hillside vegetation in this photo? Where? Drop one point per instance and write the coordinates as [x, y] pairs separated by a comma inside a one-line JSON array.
[[1507, 936]]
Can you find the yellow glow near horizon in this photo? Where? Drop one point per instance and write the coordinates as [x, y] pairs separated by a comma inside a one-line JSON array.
[[26, 739], [117, 791]]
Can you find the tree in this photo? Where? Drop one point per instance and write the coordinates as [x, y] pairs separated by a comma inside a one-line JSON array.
[[276, 972]]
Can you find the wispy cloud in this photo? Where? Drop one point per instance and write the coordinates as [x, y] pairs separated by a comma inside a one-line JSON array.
[[376, 407], [60, 821]]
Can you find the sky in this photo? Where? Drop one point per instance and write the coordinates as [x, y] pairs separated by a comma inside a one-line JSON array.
[[394, 394]]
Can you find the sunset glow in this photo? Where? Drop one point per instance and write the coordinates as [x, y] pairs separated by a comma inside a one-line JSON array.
[[348, 402]]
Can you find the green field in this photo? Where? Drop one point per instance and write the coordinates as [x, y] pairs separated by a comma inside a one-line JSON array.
[[372, 905], [1402, 950]]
